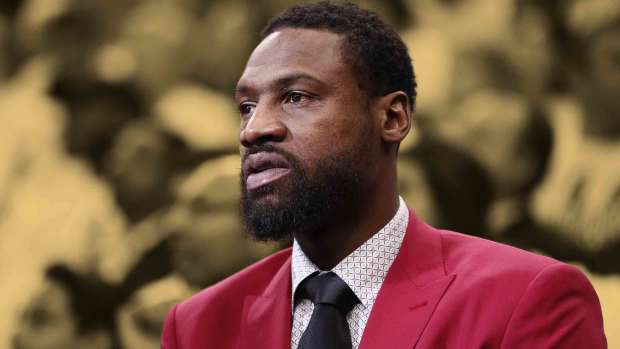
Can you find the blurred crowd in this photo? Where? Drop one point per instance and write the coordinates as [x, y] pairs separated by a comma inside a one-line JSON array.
[[119, 164]]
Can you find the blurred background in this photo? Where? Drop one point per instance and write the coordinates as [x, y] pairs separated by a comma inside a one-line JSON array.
[[119, 166]]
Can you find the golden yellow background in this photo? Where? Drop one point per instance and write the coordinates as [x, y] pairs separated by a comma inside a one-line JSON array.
[[118, 143]]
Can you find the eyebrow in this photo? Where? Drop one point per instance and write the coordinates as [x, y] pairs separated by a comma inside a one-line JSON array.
[[277, 84]]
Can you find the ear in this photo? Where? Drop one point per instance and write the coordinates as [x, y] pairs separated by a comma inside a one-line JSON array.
[[394, 111]]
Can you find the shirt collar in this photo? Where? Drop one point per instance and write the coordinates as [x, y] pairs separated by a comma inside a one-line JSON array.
[[365, 268]]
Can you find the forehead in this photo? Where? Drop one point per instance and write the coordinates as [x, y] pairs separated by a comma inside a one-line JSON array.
[[291, 51]]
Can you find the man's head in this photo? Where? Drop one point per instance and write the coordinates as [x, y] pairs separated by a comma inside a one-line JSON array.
[[324, 100], [375, 52]]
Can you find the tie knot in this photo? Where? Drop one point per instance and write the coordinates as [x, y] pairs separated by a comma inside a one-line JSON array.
[[327, 288]]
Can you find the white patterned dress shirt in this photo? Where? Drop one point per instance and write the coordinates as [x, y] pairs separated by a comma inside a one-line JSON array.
[[363, 270]]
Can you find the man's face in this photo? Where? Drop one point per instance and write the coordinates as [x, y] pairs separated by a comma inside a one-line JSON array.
[[307, 137]]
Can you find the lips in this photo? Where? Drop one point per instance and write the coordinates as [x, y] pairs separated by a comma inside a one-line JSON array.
[[264, 168]]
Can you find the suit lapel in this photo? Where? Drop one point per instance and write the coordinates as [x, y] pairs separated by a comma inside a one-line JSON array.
[[267, 318], [413, 287]]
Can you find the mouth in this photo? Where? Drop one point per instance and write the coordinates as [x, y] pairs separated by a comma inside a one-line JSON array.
[[263, 168]]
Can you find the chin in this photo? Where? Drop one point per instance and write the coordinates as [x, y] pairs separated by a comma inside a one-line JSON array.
[[267, 215]]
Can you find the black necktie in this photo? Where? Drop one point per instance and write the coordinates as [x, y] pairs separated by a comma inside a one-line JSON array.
[[333, 300]]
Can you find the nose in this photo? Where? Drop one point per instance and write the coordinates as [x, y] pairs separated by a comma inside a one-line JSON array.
[[263, 126]]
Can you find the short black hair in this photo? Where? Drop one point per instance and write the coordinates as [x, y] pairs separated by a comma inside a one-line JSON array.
[[378, 55]]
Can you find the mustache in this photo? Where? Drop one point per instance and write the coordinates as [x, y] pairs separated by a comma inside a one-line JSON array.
[[268, 148]]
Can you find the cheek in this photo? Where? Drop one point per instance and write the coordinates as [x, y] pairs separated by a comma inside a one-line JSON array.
[[323, 141], [338, 131]]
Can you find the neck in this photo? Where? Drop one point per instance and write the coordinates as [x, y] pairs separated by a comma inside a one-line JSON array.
[[350, 230]]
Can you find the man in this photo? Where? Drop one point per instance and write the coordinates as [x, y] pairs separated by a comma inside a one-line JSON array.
[[325, 100]]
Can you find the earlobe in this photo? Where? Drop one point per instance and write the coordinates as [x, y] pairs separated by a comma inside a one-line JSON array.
[[395, 116]]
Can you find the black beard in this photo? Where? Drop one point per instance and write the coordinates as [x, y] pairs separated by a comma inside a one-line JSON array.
[[304, 204]]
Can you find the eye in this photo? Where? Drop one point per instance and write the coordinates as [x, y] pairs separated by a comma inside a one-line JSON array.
[[246, 109], [296, 97]]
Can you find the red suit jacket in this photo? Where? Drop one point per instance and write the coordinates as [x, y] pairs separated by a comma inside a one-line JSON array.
[[444, 290]]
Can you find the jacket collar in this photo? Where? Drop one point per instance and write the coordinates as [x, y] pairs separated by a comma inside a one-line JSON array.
[[414, 285]]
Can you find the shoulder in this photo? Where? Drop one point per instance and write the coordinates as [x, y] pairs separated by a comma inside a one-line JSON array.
[[515, 277], [534, 301], [251, 280], [490, 269], [220, 307], [478, 257], [538, 301]]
